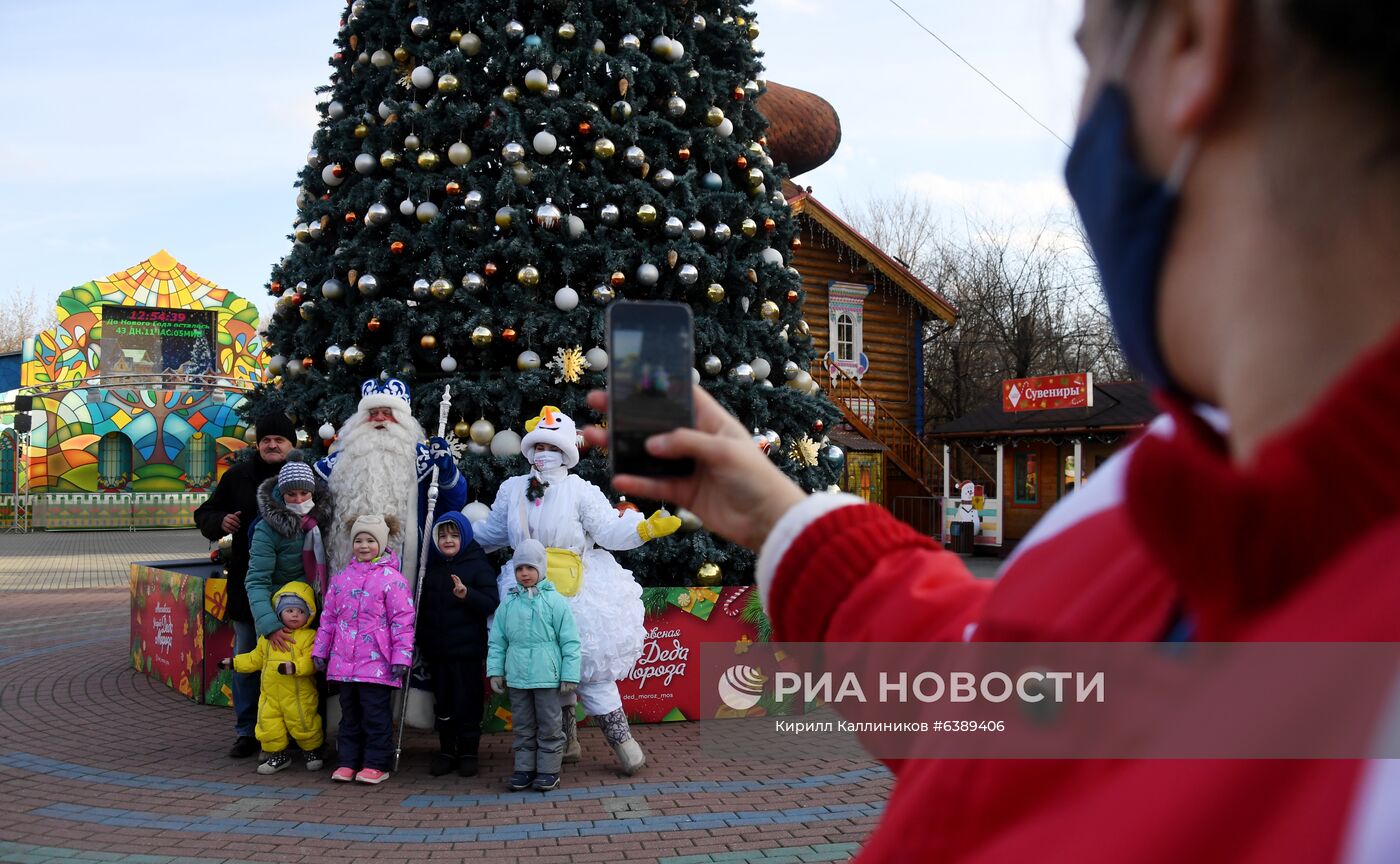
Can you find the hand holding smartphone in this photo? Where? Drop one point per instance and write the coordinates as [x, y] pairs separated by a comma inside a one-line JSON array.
[[651, 350]]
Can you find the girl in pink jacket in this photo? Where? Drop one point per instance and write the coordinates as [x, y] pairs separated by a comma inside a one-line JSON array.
[[365, 642]]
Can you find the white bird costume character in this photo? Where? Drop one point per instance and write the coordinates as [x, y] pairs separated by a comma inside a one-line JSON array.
[[577, 524], [967, 510]]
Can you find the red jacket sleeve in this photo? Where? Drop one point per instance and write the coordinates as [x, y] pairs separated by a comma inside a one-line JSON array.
[[858, 574]]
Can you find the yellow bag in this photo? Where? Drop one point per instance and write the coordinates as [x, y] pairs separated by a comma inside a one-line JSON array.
[[565, 569]]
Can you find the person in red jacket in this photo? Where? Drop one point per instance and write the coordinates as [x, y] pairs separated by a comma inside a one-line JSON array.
[[1237, 172]]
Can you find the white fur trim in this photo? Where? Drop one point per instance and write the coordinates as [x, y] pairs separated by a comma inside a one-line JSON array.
[[382, 400], [785, 533]]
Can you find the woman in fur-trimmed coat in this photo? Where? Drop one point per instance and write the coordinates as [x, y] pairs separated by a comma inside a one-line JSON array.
[[286, 543]]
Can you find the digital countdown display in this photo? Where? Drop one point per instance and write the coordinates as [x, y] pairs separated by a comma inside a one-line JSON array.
[[140, 340]]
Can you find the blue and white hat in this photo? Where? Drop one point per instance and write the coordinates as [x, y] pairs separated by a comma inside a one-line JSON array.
[[296, 475], [392, 394]]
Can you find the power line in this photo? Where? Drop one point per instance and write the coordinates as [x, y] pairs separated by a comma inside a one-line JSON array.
[[983, 75]]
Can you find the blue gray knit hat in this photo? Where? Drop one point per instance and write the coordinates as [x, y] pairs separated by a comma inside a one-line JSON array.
[[296, 475], [291, 601]]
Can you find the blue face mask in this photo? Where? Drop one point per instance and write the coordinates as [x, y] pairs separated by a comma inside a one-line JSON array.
[[1128, 217]]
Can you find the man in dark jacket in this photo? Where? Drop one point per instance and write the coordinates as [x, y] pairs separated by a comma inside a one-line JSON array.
[[231, 509], [459, 593]]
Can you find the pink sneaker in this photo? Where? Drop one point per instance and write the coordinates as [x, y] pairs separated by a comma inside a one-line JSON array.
[[343, 775], [371, 776]]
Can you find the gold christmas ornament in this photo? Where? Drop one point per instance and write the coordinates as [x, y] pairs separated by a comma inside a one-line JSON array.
[[428, 160], [441, 289], [482, 431], [803, 451], [714, 116], [401, 54], [528, 276], [604, 149], [569, 364], [462, 429], [646, 214], [709, 574], [511, 93], [748, 227], [362, 131], [428, 342], [388, 160], [448, 83], [481, 337], [769, 310], [715, 293]]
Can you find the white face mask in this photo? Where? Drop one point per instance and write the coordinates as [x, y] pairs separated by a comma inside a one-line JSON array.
[[303, 508], [546, 460]]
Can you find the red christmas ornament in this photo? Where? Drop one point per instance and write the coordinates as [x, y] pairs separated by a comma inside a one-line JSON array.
[[396, 247], [351, 218], [275, 289], [490, 268], [585, 128], [742, 162], [307, 362], [683, 154], [453, 187], [769, 224], [792, 296], [297, 298], [738, 94], [508, 334], [818, 426], [797, 242], [338, 170], [623, 505], [373, 324], [618, 279]]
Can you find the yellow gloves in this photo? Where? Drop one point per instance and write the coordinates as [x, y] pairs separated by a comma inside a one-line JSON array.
[[658, 524]]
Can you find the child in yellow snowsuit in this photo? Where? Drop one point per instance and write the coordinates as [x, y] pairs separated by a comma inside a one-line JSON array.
[[288, 706]]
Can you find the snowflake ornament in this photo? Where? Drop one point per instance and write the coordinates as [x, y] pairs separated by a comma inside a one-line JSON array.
[[804, 452], [569, 364]]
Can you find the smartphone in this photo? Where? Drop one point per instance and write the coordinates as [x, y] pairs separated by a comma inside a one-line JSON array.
[[651, 350]]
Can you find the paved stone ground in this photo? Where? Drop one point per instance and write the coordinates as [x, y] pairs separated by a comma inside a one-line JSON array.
[[49, 560], [99, 763]]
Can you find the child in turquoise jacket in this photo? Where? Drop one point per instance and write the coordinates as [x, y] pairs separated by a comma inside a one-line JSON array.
[[534, 651]]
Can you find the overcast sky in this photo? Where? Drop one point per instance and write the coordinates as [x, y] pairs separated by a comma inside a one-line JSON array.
[[135, 126]]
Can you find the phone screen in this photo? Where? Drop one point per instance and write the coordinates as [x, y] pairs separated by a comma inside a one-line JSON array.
[[650, 354]]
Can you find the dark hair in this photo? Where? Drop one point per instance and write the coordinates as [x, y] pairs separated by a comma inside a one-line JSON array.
[[1362, 35], [1358, 36]]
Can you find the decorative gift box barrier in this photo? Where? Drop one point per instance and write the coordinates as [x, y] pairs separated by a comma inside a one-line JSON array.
[[178, 636]]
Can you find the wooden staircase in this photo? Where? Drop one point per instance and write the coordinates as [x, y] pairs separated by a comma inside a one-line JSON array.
[[877, 423]]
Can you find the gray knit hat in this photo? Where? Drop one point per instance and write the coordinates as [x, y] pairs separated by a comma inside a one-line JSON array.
[[296, 475], [288, 600], [530, 552]]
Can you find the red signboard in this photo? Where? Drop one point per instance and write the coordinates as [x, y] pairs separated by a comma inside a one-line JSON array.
[[1043, 392]]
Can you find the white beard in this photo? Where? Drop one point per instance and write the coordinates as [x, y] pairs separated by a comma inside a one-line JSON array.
[[376, 475]]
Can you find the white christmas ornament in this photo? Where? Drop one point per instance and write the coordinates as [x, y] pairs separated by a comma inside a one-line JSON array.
[[328, 175], [423, 77], [365, 163], [597, 359], [505, 445], [476, 512], [545, 143], [327, 431], [566, 299], [761, 368], [449, 363], [725, 128]]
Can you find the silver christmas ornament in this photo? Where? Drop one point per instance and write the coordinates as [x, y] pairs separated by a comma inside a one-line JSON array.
[[696, 229], [721, 233], [313, 158], [353, 356], [635, 156], [711, 365], [381, 59], [688, 275], [743, 373], [365, 163], [514, 29], [647, 274], [512, 153], [377, 214], [333, 356], [673, 227], [420, 288], [548, 216], [335, 111], [665, 179], [603, 293], [470, 44], [675, 106], [368, 285], [332, 289], [473, 201], [610, 214], [473, 283], [418, 25]]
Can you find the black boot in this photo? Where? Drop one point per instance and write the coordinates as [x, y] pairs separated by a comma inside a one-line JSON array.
[[468, 765], [245, 746], [445, 762]]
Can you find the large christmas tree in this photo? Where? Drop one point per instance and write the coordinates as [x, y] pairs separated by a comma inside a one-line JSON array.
[[488, 176]]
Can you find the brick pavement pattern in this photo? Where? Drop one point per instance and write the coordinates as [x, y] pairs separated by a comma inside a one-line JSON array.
[[99, 763], [52, 560]]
